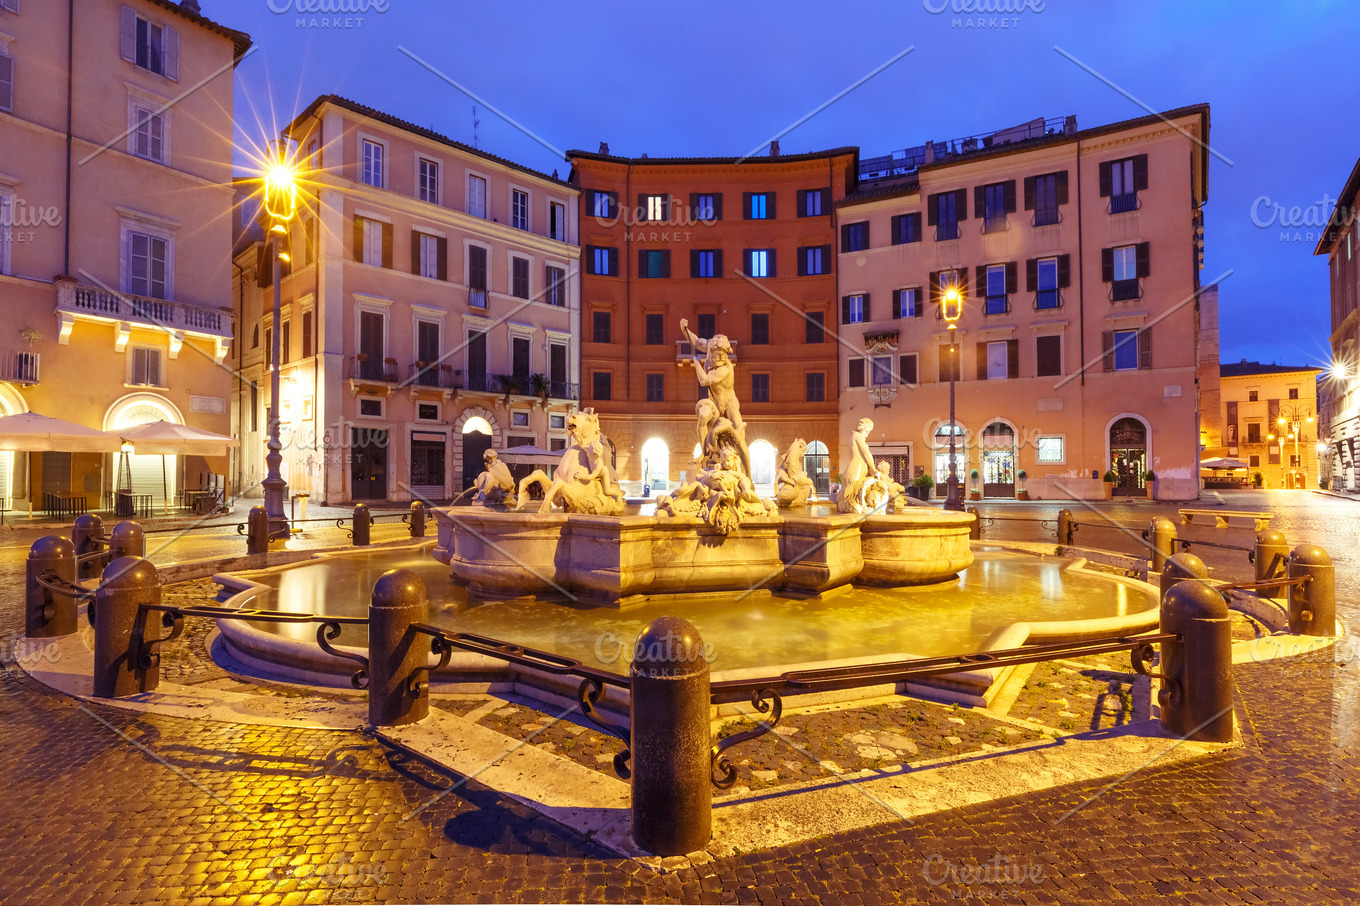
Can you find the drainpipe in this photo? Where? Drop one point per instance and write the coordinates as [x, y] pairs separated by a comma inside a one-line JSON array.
[[1081, 274], [240, 357], [70, 76]]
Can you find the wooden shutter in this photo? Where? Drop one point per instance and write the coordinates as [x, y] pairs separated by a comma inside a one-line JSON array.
[[1106, 179], [442, 250], [717, 213], [1048, 355], [769, 205], [864, 235], [415, 252], [982, 361], [1031, 275], [1013, 358], [826, 201], [264, 277], [933, 210], [717, 260], [1009, 192], [6, 82], [845, 237], [694, 206], [642, 263], [693, 259], [802, 261], [1107, 349], [666, 206], [979, 201], [127, 34], [845, 309], [945, 363], [172, 53], [359, 239], [919, 308], [387, 245], [1145, 349], [771, 270], [856, 373], [1029, 193], [1107, 265], [867, 317], [1012, 282], [1064, 271], [897, 304], [981, 273], [1062, 187], [934, 287], [963, 281], [1144, 261], [906, 369], [961, 203], [746, 205], [665, 262], [1140, 174]]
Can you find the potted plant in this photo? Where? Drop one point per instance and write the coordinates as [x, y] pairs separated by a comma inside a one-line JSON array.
[[1021, 492], [921, 486], [1150, 478], [837, 482], [1258, 479], [974, 490], [1109, 478], [541, 386]]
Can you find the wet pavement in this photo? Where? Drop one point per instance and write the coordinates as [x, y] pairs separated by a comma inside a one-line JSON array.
[[106, 806]]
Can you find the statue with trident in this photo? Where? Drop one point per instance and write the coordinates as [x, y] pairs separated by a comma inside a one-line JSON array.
[[717, 373]]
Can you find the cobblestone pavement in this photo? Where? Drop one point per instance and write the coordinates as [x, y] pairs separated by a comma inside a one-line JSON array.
[[106, 806]]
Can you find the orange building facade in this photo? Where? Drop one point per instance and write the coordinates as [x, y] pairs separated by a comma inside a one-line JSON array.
[[740, 247]]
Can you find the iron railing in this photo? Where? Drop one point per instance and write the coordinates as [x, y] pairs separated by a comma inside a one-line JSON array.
[[19, 367], [368, 368], [1122, 204], [437, 375]]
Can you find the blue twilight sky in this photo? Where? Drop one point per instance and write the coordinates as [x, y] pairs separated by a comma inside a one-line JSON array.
[[721, 78]]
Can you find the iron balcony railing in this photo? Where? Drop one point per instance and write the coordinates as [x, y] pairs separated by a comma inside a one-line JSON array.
[[1123, 290], [89, 300], [995, 223], [1047, 298], [562, 390], [1047, 216], [443, 377], [19, 367], [369, 368], [997, 305], [1120, 204]]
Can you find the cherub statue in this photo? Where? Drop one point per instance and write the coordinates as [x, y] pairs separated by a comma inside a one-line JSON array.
[[495, 485], [793, 487], [861, 476], [893, 492]]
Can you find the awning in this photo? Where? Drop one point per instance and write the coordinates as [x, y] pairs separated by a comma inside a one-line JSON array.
[[29, 432], [169, 439]]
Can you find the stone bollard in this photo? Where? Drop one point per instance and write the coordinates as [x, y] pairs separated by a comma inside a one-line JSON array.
[[397, 694], [1162, 536], [257, 531], [121, 627], [1065, 527], [127, 540], [672, 784], [1180, 567], [417, 519], [363, 525], [975, 530], [1196, 694], [88, 536], [1312, 605], [48, 614], [1270, 556]]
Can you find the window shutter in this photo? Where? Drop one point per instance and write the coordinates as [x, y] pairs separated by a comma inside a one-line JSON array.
[[771, 271], [917, 309], [1031, 275], [665, 262], [613, 204], [264, 277], [1107, 349], [981, 273], [826, 259], [856, 373], [769, 205], [666, 206], [979, 201], [1107, 265], [746, 261], [802, 261], [1145, 348], [1029, 193], [1106, 180], [694, 262], [1140, 176], [359, 239], [6, 82], [641, 208], [963, 281], [171, 54], [746, 205], [1064, 271], [1144, 259], [867, 316], [934, 287], [933, 211], [10, 5], [717, 261], [1010, 196], [138, 366], [864, 235], [982, 361], [802, 203], [642, 263], [442, 248], [694, 206], [387, 245], [1013, 358], [1062, 187], [845, 309], [717, 211], [826, 201], [415, 252], [961, 203], [906, 369], [845, 237], [1012, 280], [897, 304], [127, 35]]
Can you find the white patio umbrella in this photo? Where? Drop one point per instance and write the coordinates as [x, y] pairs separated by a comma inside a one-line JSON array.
[[29, 432], [169, 439]]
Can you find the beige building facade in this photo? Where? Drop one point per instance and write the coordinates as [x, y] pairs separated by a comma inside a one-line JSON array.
[[1340, 243], [1268, 419]]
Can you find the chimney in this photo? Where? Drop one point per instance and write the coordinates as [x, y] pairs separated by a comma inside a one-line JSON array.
[[604, 147], [1070, 125], [191, 6], [774, 148]]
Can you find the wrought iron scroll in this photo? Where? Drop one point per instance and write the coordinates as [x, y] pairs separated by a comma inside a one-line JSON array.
[[331, 630], [588, 694], [147, 654], [765, 701], [419, 682], [1141, 657]]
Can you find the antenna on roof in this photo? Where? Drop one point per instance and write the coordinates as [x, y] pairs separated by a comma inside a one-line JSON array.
[[475, 123]]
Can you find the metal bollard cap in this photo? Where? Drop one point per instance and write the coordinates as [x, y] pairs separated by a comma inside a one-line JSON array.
[[669, 647], [1162, 524], [92, 524], [360, 506], [1310, 555], [129, 571], [1185, 566], [398, 588], [127, 528], [51, 547], [1193, 600], [1271, 537], [417, 504], [258, 511]]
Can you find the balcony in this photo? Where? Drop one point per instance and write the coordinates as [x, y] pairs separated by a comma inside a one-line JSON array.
[[1124, 290], [435, 376], [1047, 298], [87, 301], [363, 367], [19, 368], [524, 385], [1122, 204]]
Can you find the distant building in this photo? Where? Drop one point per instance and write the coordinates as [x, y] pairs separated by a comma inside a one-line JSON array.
[[431, 311], [1078, 254], [115, 233], [1269, 420], [1339, 243]]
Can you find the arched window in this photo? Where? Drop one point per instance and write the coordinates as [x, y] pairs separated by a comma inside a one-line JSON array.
[[762, 465], [942, 456], [817, 465], [656, 464], [998, 460], [146, 473], [476, 425]]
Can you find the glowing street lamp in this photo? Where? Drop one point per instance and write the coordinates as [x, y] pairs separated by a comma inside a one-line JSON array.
[[951, 308], [1292, 417], [278, 209]]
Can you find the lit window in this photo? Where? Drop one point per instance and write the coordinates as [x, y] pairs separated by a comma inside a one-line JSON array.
[[1125, 350], [760, 263], [1050, 449]]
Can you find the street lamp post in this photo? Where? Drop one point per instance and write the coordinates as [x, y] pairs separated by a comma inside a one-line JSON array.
[[280, 206], [952, 307], [1295, 416]]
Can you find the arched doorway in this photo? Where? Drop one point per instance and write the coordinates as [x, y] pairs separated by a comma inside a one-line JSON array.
[[942, 458], [817, 465], [1128, 456], [763, 467], [998, 460], [656, 465], [477, 439], [11, 403], [150, 474]]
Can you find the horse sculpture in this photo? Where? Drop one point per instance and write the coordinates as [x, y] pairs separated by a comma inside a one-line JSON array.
[[792, 485], [584, 481]]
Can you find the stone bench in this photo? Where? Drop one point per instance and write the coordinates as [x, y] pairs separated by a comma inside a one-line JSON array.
[[1221, 517]]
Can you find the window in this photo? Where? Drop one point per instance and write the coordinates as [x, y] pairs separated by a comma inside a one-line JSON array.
[[600, 326], [600, 385], [519, 277], [269, 347], [1045, 277], [907, 303], [906, 368], [6, 80], [1122, 267], [477, 196], [1125, 350], [1295, 461], [286, 343], [705, 263], [519, 357], [370, 407], [427, 412], [996, 360], [882, 369], [1253, 396], [557, 221], [855, 375], [604, 204], [816, 386], [906, 228], [855, 309], [477, 276], [1293, 393], [557, 377], [1048, 352], [604, 262], [760, 388], [308, 335], [654, 263], [1050, 449], [705, 206], [428, 250], [855, 236], [997, 280], [1044, 194], [653, 208], [557, 422], [655, 330], [945, 211], [555, 278], [656, 388], [373, 154], [992, 203], [429, 181], [309, 241], [372, 242], [1253, 432], [146, 367], [814, 202], [759, 205], [949, 363], [148, 134], [519, 209], [812, 260], [760, 329], [759, 262], [147, 44], [708, 324], [148, 266], [814, 327], [1122, 180]]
